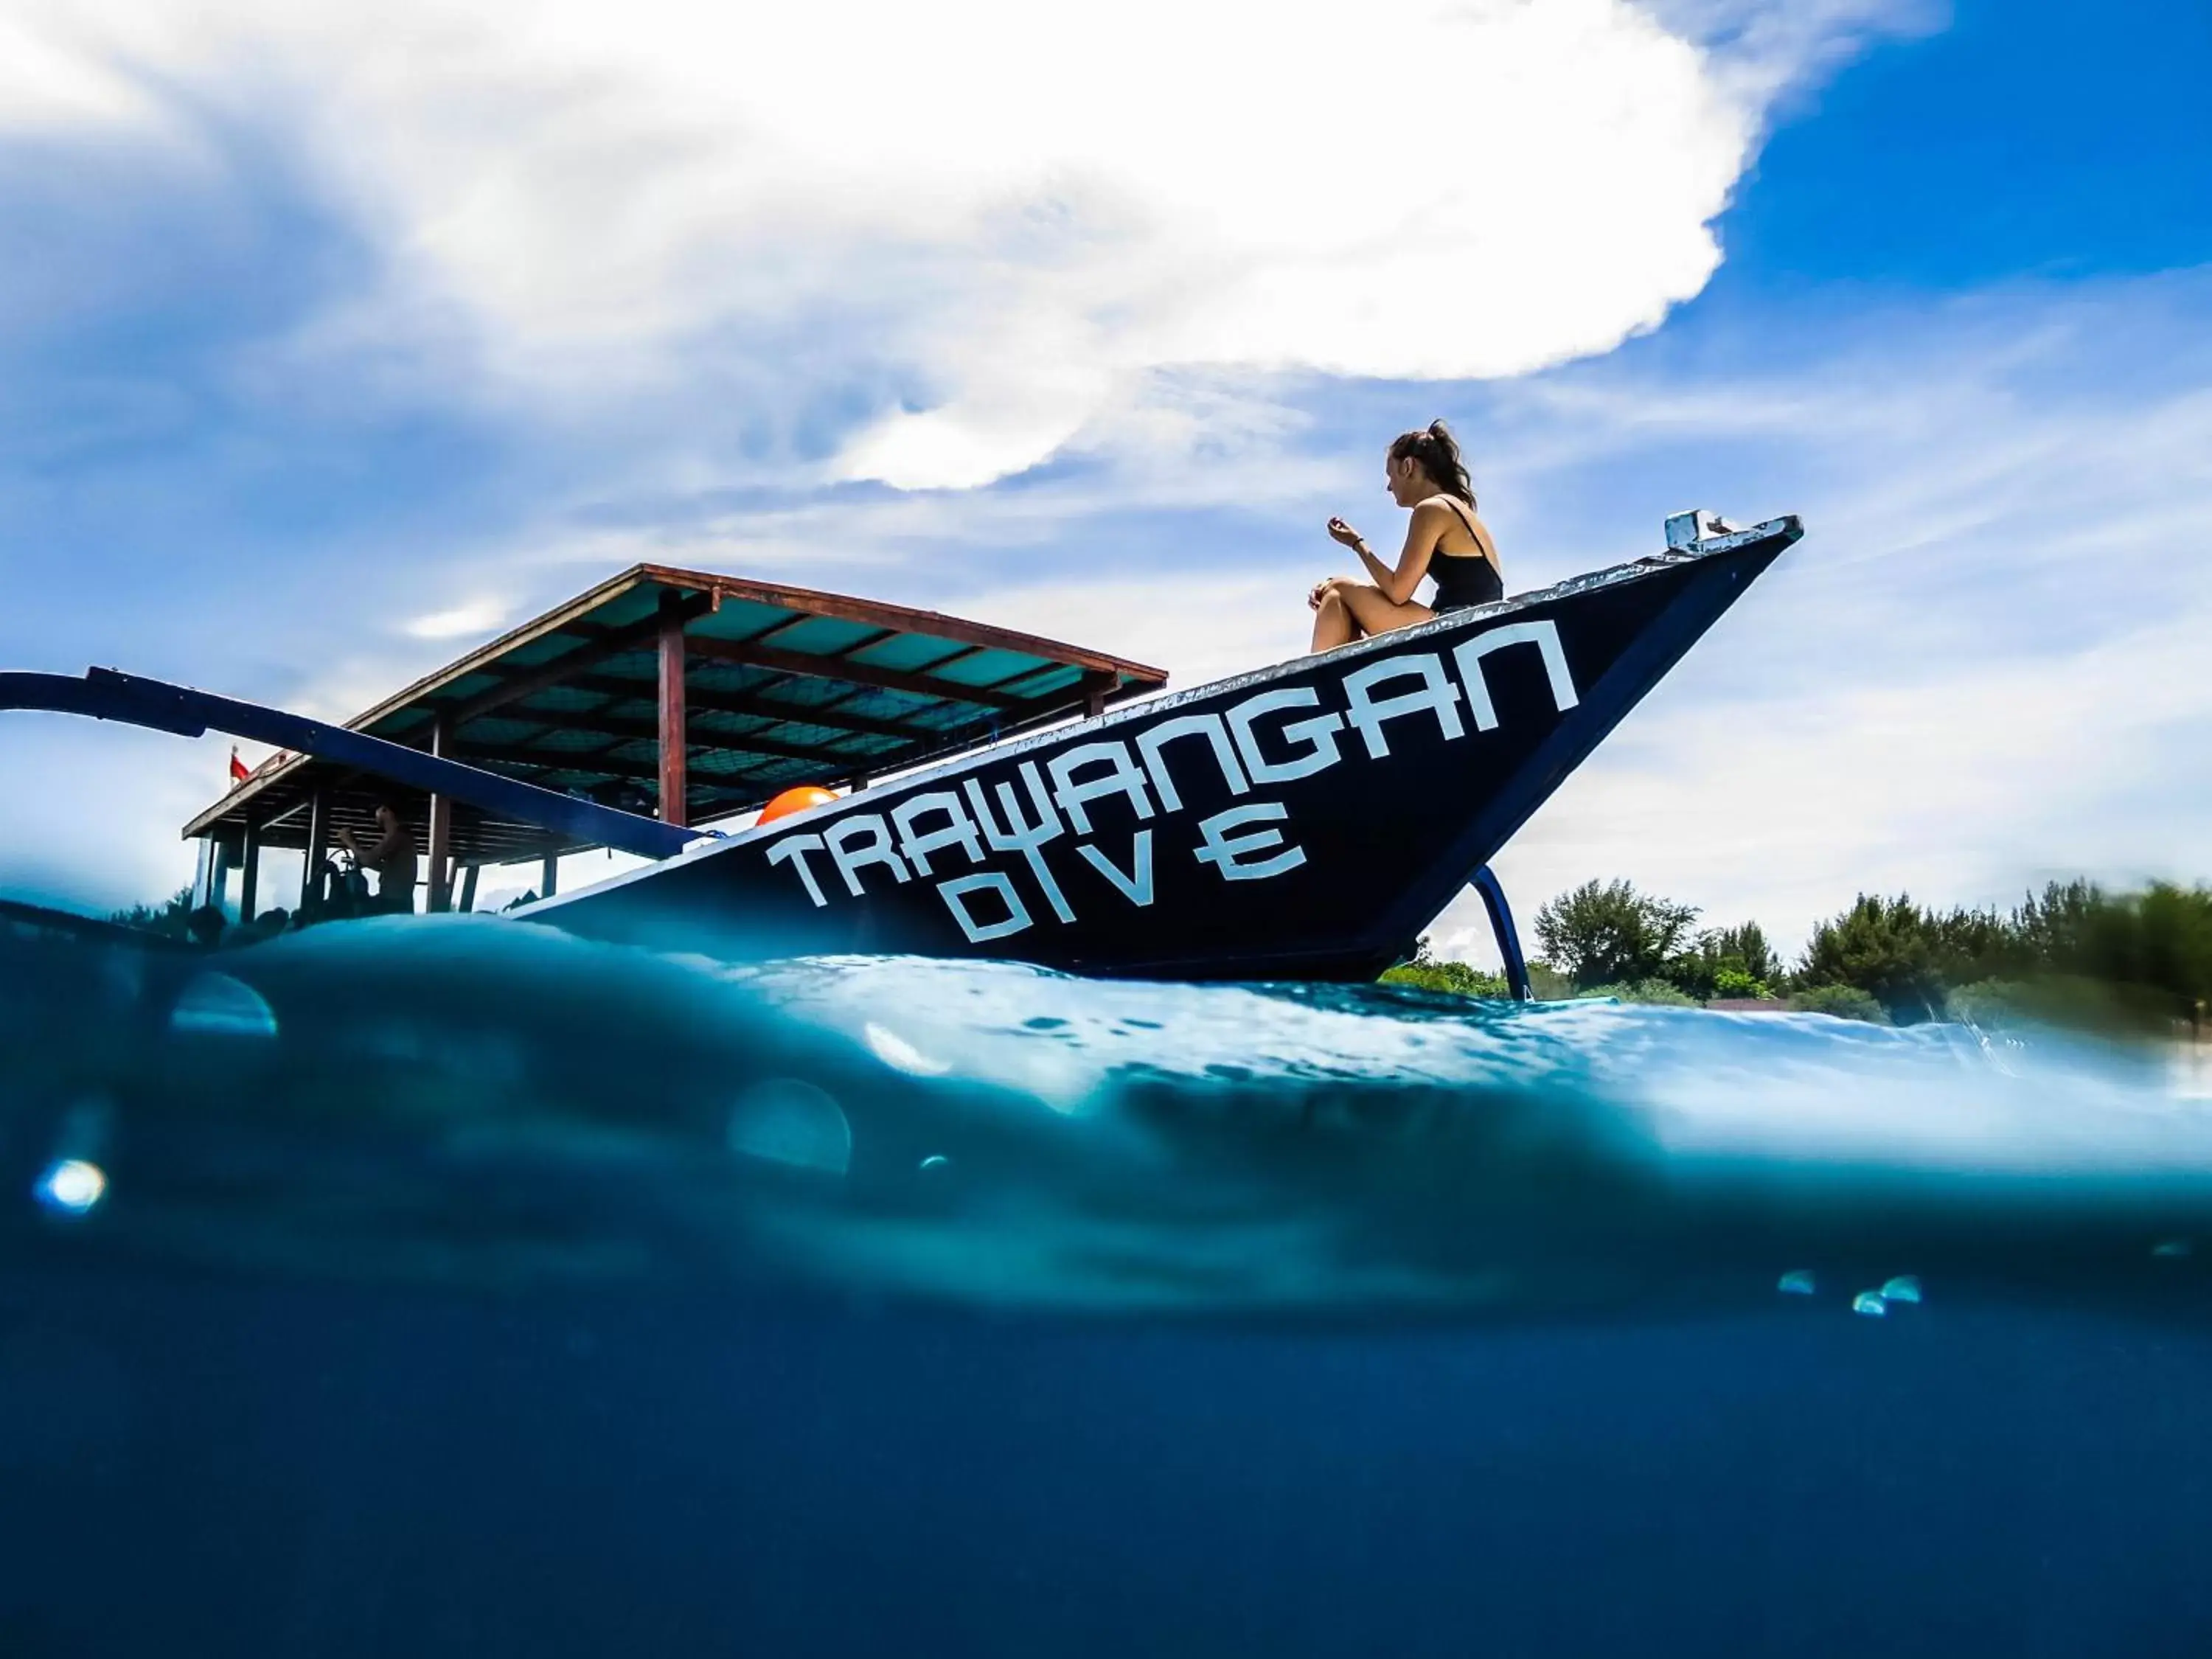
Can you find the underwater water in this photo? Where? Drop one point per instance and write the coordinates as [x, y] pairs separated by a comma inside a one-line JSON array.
[[453, 1286]]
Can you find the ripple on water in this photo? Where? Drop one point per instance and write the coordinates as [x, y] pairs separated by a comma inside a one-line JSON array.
[[996, 1133]]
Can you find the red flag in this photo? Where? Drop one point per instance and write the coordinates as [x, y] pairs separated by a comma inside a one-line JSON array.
[[240, 771]]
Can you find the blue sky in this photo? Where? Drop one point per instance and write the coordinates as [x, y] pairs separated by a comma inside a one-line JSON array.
[[330, 344]]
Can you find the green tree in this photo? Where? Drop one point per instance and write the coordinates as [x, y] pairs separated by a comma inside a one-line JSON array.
[[1841, 1002], [1884, 947], [2152, 949], [170, 918], [1731, 981], [2053, 932], [1546, 983], [1608, 933], [1658, 993], [2173, 943], [1430, 972], [1725, 962], [1907, 958], [1966, 945], [2072, 952], [1748, 946]]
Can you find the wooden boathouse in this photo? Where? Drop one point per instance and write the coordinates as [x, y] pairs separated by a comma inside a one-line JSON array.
[[680, 694]]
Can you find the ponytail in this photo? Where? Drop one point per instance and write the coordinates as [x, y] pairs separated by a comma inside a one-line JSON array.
[[1437, 453]]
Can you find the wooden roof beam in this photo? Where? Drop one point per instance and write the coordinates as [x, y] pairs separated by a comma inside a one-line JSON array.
[[741, 743], [901, 619], [859, 673], [551, 761], [589, 761], [599, 644], [749, 704], [873, 637]]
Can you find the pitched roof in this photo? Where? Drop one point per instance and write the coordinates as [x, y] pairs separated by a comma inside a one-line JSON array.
[[783, 686]]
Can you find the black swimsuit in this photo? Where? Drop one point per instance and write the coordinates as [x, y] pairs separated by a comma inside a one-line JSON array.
[[1464, 578]]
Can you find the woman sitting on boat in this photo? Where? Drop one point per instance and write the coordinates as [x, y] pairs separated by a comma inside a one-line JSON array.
[[1445, 540]]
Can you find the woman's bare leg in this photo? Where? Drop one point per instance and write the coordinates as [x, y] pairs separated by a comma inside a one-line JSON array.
[[1333, 623], [1373, 612]]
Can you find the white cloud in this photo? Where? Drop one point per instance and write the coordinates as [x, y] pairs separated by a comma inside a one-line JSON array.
[[44, 85], [1765, 52], [977, 225], [469, 619], [1205, 627]]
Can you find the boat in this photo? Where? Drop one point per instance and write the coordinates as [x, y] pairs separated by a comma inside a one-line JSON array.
[[1306, 821]]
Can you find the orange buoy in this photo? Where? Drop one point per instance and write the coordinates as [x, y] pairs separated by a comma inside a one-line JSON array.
[[796, 800]]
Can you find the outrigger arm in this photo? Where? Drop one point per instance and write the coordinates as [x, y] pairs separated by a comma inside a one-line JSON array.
[[104, 694], [1485, 883]]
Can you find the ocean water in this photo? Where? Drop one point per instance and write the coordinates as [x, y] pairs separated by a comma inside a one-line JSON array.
[[453, 1286]]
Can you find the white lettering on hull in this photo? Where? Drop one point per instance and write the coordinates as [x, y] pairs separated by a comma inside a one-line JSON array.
[[1027, 839], [1369, 713], [1137, 885], [956, 894], [1319, 732], [793, 850], [858, 843], [1544, 635], [1228, 855], [1122, 776], [1153, 740], [958, 830], [1242, 844]]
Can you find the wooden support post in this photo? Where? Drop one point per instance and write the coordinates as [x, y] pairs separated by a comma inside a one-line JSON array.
[[249, 878], [548, 875], [673, 782], [441, 825], [318, 846], [468, 889], [219, 875]]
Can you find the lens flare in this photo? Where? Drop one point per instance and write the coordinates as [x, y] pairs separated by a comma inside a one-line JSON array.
[[71, 1187], [785, 1120]]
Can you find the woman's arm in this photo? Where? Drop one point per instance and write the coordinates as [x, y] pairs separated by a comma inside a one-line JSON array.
[[1422, 535]]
